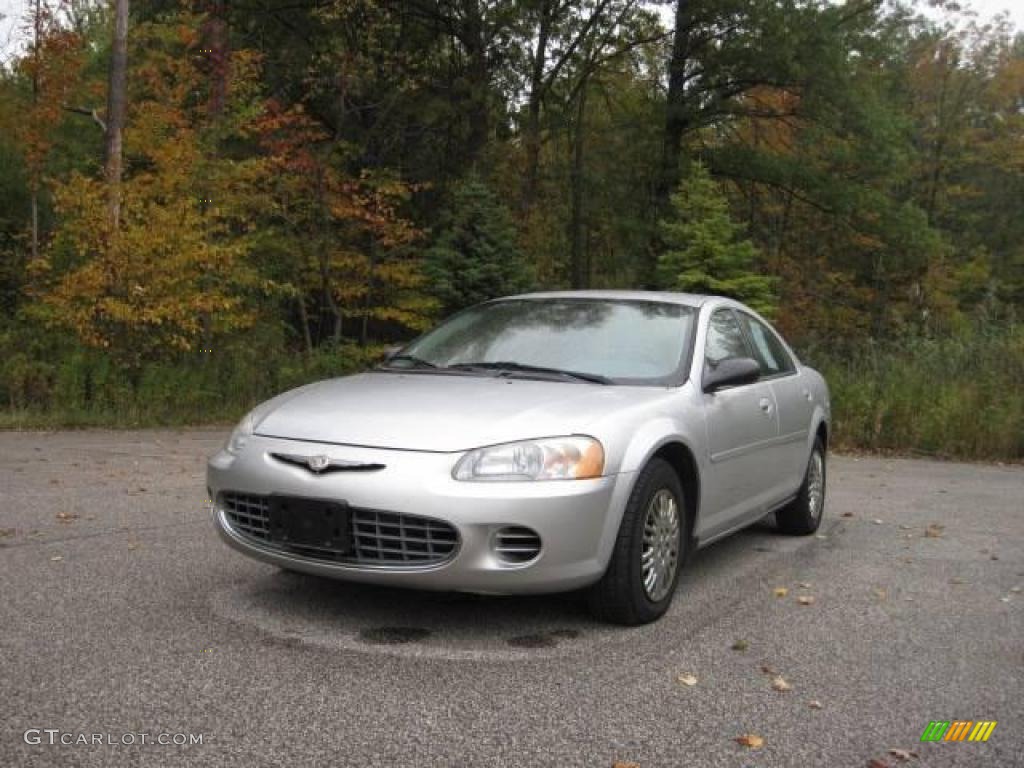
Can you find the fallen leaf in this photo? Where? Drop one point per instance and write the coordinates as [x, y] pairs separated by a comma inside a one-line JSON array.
[[815, 704], [902, 754], [781, 592], [994, 557], [1015, 590], [905, 527], [877, 763], [1004, 599], [751, 740], [618, 764], [880, 593], [768, 669], [876, 521], [66, 517], [56, 558], [805, 600], [957, 580], [7, 532], [847, 514], [804, 585], [934, 531], [687, 679], [740, 645], [779, 684]]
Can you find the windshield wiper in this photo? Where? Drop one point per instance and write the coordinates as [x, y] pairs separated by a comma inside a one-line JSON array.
[[511, 367], [417, 362]]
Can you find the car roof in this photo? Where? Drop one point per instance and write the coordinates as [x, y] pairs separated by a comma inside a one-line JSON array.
[[666, 297]]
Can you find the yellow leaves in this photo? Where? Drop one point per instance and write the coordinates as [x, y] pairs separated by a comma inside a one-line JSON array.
[[780, 684], [750, 740]]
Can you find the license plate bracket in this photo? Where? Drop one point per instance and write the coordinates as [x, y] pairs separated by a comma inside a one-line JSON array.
[[304, 522]]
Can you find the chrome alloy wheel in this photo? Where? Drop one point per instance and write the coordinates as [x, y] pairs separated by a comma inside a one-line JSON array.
[[661, 543], [816, 484]]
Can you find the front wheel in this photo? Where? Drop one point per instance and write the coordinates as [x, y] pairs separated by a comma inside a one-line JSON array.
[[641, 578], [803, 515]]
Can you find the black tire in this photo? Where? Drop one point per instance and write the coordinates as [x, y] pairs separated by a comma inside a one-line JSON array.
[[802, 517], [620, 597]]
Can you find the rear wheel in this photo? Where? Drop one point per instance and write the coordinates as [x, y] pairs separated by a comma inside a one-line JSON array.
[[641, 578], [803, 516]]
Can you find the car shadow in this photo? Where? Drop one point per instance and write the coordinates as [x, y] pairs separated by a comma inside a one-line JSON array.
[[300, 607]]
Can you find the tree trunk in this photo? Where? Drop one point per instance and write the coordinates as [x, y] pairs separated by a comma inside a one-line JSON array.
[[478, 79], [307, 338], [215, 34], [579, 273], [117, 108], [537, 87], [35, 221], [37, 24], [676, 117]]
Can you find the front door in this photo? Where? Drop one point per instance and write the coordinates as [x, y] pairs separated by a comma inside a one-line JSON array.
[[743, 429]]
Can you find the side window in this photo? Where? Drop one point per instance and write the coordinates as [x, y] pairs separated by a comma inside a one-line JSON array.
[[770, 353], [725, 338]]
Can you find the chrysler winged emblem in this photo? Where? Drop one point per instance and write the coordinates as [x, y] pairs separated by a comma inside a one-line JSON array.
[[318, 463]]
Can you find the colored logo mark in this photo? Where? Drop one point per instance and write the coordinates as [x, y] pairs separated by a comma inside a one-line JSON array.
[[958, 730]]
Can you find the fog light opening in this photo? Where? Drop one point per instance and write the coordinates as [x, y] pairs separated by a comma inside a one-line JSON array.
[[516, 544]]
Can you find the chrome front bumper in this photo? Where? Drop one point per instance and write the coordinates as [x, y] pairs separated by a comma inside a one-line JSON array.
[[577, 520]]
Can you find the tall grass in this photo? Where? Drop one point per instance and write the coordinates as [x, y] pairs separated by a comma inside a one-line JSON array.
[[959, 397], [81, 388]]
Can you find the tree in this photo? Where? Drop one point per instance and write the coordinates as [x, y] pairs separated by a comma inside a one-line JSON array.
[[117, 108], [475, 256], [166, 269], [705, 253], [53, 68]]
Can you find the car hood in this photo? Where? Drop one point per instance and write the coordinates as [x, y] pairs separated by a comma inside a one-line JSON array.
[[439, 412]]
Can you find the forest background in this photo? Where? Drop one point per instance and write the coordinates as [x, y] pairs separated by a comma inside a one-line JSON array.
[[202, 204]]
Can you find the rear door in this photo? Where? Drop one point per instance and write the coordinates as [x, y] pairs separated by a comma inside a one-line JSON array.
[[743, 429], [792, 397]]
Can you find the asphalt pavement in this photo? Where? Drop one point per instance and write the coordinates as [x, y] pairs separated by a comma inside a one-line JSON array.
[[123, 614]]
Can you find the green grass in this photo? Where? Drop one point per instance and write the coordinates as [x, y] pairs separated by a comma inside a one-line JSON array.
[[956, 397], [85, 389], [959, 397]]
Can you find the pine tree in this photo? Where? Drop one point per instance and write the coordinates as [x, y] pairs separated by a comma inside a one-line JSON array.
[[475, 256], [705, 251]]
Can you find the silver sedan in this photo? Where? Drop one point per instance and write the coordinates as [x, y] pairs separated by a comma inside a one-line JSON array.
[[538, 443]]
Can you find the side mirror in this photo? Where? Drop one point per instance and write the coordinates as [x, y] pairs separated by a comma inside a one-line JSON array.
[[732, 372], [390, 352]]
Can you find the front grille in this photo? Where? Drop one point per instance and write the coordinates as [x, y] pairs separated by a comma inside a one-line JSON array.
[[248, 514], [378, 538], [516, 544]]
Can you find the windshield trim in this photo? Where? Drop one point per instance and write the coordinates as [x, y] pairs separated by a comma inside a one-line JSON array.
[[676, 378]]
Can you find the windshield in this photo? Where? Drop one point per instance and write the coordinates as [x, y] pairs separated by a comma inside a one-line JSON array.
[[634, 342]]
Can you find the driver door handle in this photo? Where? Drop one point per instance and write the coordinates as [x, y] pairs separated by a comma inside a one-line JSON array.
[[766, 405]]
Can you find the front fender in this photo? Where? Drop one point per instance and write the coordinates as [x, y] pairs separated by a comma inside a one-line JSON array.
[[643, 445]]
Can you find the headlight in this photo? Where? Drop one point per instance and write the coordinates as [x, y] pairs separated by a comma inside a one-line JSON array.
[[553, 458], [241, 434]]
